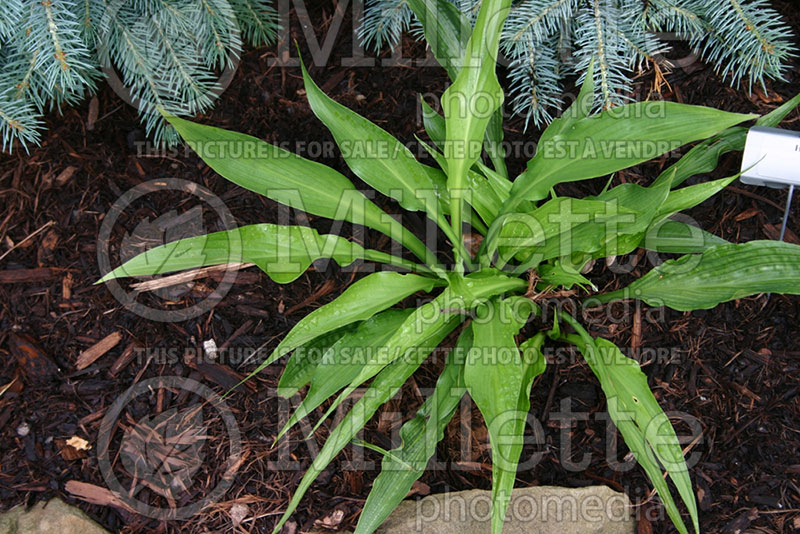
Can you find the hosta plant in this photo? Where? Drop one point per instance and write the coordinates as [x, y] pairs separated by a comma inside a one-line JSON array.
[[533, 240]]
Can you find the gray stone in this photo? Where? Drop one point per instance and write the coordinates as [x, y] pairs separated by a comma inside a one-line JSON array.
[[536, 510], [53, 517]]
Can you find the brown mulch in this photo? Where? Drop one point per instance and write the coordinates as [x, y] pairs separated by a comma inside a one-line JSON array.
[[69, 350]]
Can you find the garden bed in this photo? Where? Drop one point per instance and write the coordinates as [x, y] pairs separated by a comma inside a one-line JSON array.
[[735, 368]]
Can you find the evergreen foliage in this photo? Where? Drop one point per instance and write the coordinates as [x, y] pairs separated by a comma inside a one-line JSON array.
[[546, 40], [163, 53]]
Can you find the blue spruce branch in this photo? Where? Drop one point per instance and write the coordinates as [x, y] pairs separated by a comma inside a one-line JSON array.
[[167, 53], [743, 39]]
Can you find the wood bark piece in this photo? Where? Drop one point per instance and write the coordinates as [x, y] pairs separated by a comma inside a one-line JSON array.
[[24, 276], [221, 375], [90, 355], [96, 495], [125, 358], [35, 364], [188, 276]]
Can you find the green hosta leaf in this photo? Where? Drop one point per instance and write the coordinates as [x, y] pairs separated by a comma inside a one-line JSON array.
[[618, 230], [443, 313], [405, 464], [366, 297], [304, 361], [641, 421], [383, 162], [579, 109], [481, 196], [500, 184], [436, 130], [690, 196], [384, 387], [704, 157], [446, 31], [646, 201], [344, 359], [774, 117], [493, 143], [376, 157], [626, 234], [613, 140], [609, 224], [562, 275], [720, 274], [499, 381], [283, 252], [289, 179], [676, 237], [470, 102], [534, 364], [433, 123], [559, 228]]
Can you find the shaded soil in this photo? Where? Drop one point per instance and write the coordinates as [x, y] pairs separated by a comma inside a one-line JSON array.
[[734, 370]]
